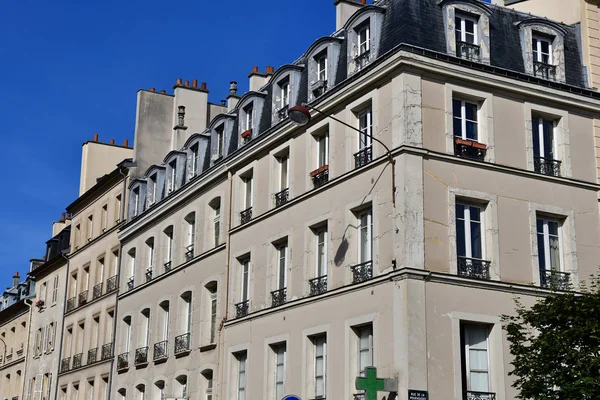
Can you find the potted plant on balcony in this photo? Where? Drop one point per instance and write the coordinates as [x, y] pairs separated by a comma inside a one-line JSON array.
[[40, 304], [247, 133]]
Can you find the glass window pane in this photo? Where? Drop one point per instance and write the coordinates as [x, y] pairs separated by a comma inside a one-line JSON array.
[[478, 359], [554, 253], [541, 251], [479, 382], [456, 108], [476, 250], [460, 238], [475, 213], [472, 130], [471, 111], [457, 127]]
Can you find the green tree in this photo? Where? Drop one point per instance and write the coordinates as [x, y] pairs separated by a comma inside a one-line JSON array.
[[556, 346]]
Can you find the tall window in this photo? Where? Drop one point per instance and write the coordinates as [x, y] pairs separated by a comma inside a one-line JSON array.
[[91, 390], [282, 255], [212, 309], [548, 238], [90, 227], [172, 175], [217, 223], [465, 121], [164, 308], [136, 201], [127, 333], [320, 366], [321, 252], [220, 130], [364, 335], [321, 61], [118, 209], [283, 172], [141, 392], [242, 358], [145, 331], [245, 281], [159, 389], [186, 321], [168, 244], [469, 231], [542, 49], [104, 217], [284, 92], [365, 125], [279, 352], [365, 236], [247, 192], [466, 29], [475, 355], [323, 149], [190, 219], [248, 114], [208, 384], [150, 253], [153, 189], [544, 151], [194, 159], [364, 36], [55, 289], [131, 254]]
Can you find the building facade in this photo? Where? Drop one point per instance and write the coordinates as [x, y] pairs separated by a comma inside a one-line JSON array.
[[262, 258]]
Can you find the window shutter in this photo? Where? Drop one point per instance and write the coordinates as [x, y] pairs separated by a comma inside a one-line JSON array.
[[48, 389], [29, 388], [37, 390], [45, 342], [55, 290], [53, 336]]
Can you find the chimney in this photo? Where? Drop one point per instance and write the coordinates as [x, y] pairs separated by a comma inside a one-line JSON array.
[[126, 143], [257, 79], [270, 70], [95, 137], [112, 141], [224, 103], [163, 92], [152, 89], [15, 279], [232, 97], [344, 9]]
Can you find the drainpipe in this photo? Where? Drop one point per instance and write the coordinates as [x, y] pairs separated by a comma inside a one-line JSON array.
[[62, 326], [29, 303], [4, 352]]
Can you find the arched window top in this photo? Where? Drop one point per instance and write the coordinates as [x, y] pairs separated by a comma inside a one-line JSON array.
[[127, 319], [248, 97], [543, 24], [473, 5], [318, 44], [168, 229], [186, 295], [359, 16], [190, 217], [211, 286], [220, 119], [145, 312], [173, 155], [154, 169], [283, 70]]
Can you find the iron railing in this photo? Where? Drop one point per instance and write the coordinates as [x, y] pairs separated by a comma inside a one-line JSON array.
[[470, 395], [278, 297], [363, 157], [182, 343], [111, 284], [149, 274], [555, 280], [141, 356], [83, 296], [77, 360], [71, 304], [92, 356], [468, 51], [168, 266], [468, 151], [65, 364], [106, 351], [242, 308], [362, 60], [123, 361], [97, 291], [189, 253], [282, 197], [544, 71], [161, 350], [321, 178], [362, 272], [473, 267], [246, 215], [318, 285], [546, 166], [282, 113], [130, 283]]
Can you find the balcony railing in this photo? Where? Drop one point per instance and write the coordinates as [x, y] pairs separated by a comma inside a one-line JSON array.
[[362, 60], [141, 356], [182, 343], [168, 266], [65, 364], [546, 166], [363, 157], [362, 272], [554, 280], [473, 268], [97, 291], [92, 356], [544, 71], [77, 360], [106, 351], [241, 309], [282, 113], [149, 274], [71, 304], [189, 253], [479, 396], [318, 285], [246, 215], [469, 149], [83, 296], [320, 176], [161, 350], [282, 197], [278, 297], [111, 284], [468, 51], [123, 361], [130, 283]]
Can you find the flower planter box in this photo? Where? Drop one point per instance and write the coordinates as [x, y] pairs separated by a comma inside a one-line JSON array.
[[319, 170], [246, 133], [470, 143]]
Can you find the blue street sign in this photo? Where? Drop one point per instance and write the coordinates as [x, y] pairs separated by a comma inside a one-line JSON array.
[[291, 397]]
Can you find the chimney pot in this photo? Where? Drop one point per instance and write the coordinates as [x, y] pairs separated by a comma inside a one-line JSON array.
[[112, 141], [126, 143], [223, 103], [63, 217], [195, 83], [152, 89], [186, 83], [16, 279], [203, 86], [163, 91], [270, 70], [255, 69], [233, 87], [95, 137], [363, 1], [178, 81]]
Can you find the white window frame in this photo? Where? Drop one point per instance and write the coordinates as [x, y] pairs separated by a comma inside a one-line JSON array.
[[248, 191], [364, 42], [284, 89], [282, 266], [217, 224], [322, 149], [546, 237], [466, 351], [284, 173], [365, 125], [279, 381], [55, 290], [195, 158], [136, 200], [463, 33], [321, 268], [370, 349], [463, 118], [369, 228], [242, 370], [320, 340], [172, 175], [322, 69], [467, 224], [213, 315], [539, 132], [248, 116], [536, 40], [245, 280]]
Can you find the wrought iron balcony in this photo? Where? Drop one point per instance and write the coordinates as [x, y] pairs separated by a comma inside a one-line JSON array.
[[92, 356], [241, 309], [318, 285], [282, 197], [544, 71], [362, 272], [71, 304], [123, 361], [15, 398], [65, 364], [168, 266], [282, 113], [106, 351], [468, 51], [546, 166], [363, 157], [278, 297], [246, 215], [479, 396], [130, 283], [469, 149], [321, 177], [554, 280], [362, 60], [77, 360], [473, 268], [189, 253], [182, 343], [111, 284], [141, 356], [83, 296], [161, 350], [149, 274], [97, 291]]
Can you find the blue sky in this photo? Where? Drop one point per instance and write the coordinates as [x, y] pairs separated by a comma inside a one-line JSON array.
[[69, 69]]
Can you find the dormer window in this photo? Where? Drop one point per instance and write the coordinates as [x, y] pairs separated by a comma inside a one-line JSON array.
[[172, 175], [322, 67], [153, 189], [220, 130], [136, 201], [284, 88], [195, 159], [248, 111], [363, 33], [541, 47], [466, 35], [467, 24], [542, 44]]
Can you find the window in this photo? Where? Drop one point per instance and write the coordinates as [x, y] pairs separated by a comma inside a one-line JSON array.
[[90, 227], [246, 196], [152, 193], [159, 391], [282, 254], [220, 130], [365, 125], [141, 395], [475, 359], [542, 49], [118, 209], [104, 217], [465, 28], [172, 176], [364, 335], [164, 309], [91, 390], [182, 383], [242, 358], [51, 336], [77, 237], [549, 246], [465, 121], [194, 159], [323, 149], [365, 236], [284, 93], [43, 291], [322, 66], [320, 366], [283, 172], [321, 252], [217, 222], [208, 384], [248, 116], [469, 230], [211, 289], [136, 201], [168, 245], [245, 281], [47, 388], [190, 220], [145, 328], [364, 35], [186, 320], [544, 147], [279, 353], [150, 257]]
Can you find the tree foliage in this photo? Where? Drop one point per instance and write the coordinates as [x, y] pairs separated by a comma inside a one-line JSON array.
[[556, 346]]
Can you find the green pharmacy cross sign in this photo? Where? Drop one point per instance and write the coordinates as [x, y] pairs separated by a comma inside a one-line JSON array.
[[371, 384]]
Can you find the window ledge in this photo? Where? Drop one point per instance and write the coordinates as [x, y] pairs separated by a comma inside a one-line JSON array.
[[208, 347]]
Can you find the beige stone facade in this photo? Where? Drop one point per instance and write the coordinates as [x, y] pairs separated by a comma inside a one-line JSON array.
[[14, 326]]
